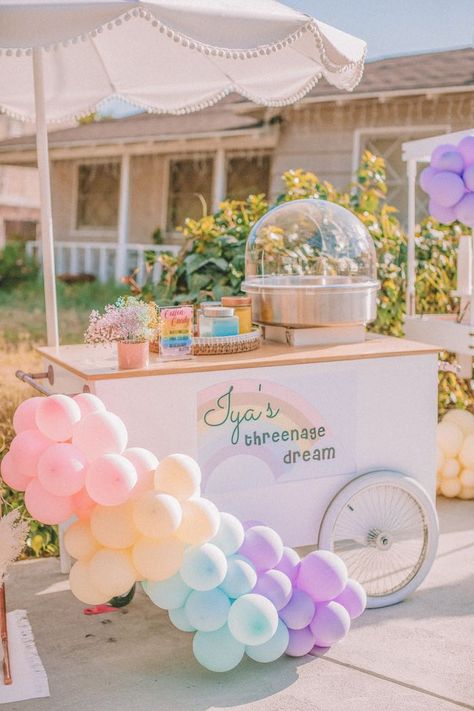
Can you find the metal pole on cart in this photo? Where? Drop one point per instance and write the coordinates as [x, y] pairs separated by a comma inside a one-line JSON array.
[[411, 268]]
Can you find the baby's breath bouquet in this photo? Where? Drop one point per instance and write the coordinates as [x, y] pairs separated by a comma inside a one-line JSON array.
[[129, 320]]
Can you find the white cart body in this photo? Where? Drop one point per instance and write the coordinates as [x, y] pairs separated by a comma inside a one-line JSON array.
[[314, 418]]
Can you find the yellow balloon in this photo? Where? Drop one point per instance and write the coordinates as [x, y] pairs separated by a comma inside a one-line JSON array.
[[451, 468], [79, 541], [450, 487], [178, 475], [450, 438], [462, 419], [112, 572], [156, 515], [467, 492], [157, 560], [82, 586], [200, 522], [467, 478], [466, 455], [113, 526]]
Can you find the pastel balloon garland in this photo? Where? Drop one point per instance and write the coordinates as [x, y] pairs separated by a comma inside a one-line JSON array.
[[237, 588], [449, 182]]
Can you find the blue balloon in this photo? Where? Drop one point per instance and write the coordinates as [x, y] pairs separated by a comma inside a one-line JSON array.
[[180, 620], [230, 535], [168, 594], [253, 619], [241, 577], [204, 567], [217, 651], [274, 648], [207, 611]]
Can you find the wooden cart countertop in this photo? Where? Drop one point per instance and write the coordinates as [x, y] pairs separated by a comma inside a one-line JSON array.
[[100, 362]]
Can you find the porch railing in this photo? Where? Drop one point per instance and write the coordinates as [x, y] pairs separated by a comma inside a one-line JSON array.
[[100, 258]]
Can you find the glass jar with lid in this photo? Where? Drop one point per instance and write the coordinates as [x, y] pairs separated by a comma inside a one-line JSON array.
[[242, 306], [218, 321]]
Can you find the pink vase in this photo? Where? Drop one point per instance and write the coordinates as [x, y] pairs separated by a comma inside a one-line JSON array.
[[133, 354]]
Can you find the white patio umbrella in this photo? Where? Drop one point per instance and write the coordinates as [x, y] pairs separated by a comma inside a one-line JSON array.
[[61, 59]]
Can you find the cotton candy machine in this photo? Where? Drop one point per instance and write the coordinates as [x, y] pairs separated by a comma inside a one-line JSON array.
[[311, 263]]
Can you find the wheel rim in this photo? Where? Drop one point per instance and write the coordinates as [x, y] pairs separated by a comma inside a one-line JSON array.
[[382, 536]]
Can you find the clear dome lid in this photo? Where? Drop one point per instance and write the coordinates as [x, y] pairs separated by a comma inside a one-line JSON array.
[[310, 243]]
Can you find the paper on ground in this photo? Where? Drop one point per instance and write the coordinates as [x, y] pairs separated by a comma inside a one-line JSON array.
[[29, 677]]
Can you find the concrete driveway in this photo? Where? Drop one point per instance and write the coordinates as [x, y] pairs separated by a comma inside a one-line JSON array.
[[414, 656]]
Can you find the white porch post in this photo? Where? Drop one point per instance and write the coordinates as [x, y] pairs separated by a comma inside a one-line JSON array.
[[219, 182], [411, 268], [123, 215]]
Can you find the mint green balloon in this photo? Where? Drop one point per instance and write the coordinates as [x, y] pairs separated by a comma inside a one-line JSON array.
[[273, 649], [207, 611], [168, 594], [217, 651], [180, 620], [240, 578], [253, 619]]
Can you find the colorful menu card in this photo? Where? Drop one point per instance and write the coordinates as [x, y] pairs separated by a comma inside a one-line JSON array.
[[176, 331]]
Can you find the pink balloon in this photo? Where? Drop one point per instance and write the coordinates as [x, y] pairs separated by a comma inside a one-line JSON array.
[[26, 448], [301, 642], [289, 563], [446, 189], [56, 416], [330, 623], [323, 575], [299, 612], [262, 546], [25, 415], [464, 211], [110, 479], [353, 598], [11, 476], [62, 469], [82, 503], [426, 176], [275, 586], [440, 150], [88, 403], [451, 161], [45, 507], [145, 464], [468, 177], [100, 433], [466, 149], [445, 215]]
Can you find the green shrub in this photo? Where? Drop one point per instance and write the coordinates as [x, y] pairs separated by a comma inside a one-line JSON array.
[[15, 266]]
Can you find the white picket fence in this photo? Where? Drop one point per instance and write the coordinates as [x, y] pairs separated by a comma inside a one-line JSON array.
[[100, 258]]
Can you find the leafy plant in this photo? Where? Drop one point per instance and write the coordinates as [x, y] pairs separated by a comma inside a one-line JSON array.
[[16, 266]]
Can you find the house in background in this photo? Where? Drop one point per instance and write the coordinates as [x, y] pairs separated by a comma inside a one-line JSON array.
[[121, 186]]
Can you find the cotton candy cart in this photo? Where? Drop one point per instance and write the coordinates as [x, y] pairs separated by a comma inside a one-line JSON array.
[[331, 445]]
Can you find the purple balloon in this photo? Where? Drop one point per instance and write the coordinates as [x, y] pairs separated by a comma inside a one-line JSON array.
[[466, 149], [451, 161], [446, 189], [464, 211], [468, 177], [262, 546], [275, 586], [330, 623], [301, 642], [299, 612], [426, 176], [289, 563], [323, 575], [445, 215], [440, 150], [353, 598]]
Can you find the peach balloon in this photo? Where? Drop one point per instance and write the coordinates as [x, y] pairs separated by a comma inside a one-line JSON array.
[[82, 587], [439, 458], [157, 560], [25, 415], [156, 515], [450, 487], [145, 464], [178, 475], [451, 468], [56, 416], [62, 469], [112, 572], [26, 449], [88, 403], [467, 477], [11, 475], [79, 541], [46, 507], [110, 479], [466, 455], [83, 504], [450, 438], [200, 522], [467, 492], [462, 419], [113, 526], [100, 433]]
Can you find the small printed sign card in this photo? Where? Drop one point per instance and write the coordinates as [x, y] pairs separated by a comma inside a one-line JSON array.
[[176, 326]]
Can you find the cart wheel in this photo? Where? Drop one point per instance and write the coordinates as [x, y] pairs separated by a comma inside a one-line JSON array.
[[385, 528]]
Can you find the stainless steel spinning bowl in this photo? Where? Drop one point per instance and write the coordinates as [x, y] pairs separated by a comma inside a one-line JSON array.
[[305, 301]]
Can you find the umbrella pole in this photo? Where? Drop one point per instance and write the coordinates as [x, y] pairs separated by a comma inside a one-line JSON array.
[[45, 198]]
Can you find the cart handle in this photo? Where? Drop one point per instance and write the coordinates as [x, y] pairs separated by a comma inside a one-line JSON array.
[[31, 379]]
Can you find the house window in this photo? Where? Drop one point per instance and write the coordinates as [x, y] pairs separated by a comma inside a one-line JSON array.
[[98, 195], [190, 190], [247, 175]]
